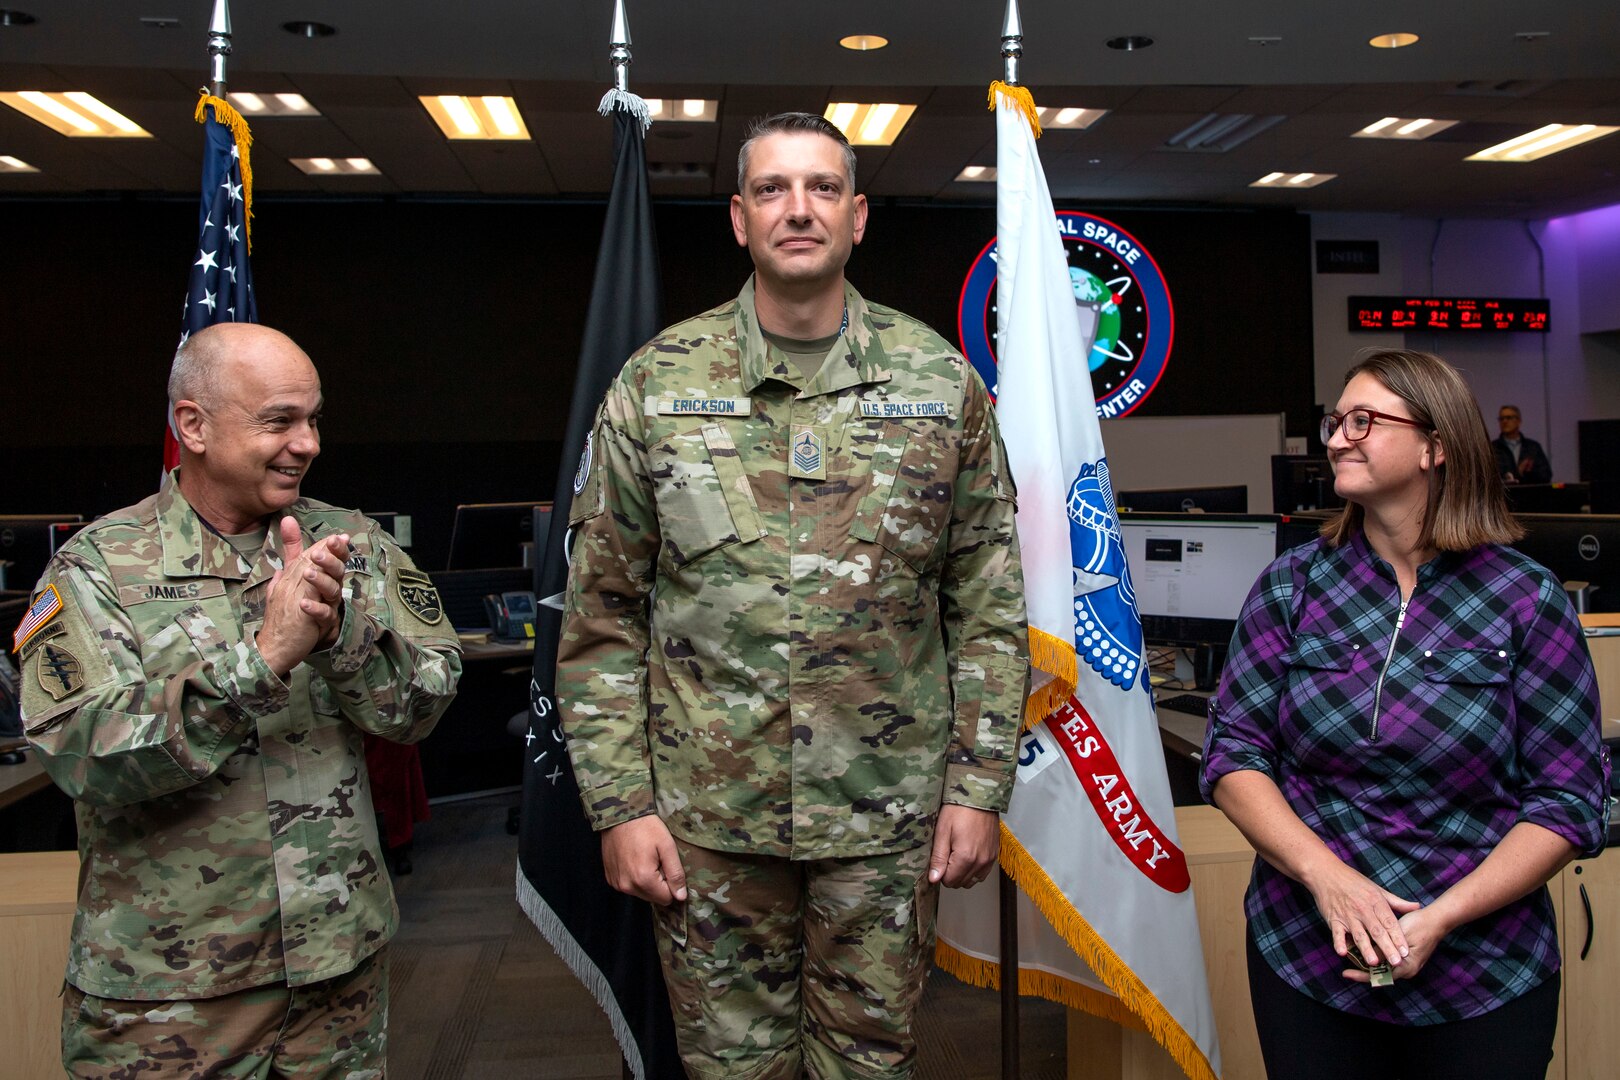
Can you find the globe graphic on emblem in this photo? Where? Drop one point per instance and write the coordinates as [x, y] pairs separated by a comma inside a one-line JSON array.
[[1091, 290]]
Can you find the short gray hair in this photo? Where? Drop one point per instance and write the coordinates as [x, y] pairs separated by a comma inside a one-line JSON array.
[[793, 123], [194, 374]]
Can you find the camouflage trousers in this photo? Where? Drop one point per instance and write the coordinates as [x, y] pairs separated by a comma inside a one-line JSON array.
[[335, 1029], [778, 969]]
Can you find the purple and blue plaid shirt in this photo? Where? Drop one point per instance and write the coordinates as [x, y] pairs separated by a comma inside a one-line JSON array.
[[1488, 716]]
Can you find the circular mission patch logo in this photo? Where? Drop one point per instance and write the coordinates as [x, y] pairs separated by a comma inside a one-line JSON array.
[[1120, 298]]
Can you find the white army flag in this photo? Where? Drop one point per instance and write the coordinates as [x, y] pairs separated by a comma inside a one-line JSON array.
[[1091, 834]]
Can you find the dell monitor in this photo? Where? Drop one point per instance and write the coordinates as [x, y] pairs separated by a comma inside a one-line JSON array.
[[1582, 551], [489, 535], [1191, 573]]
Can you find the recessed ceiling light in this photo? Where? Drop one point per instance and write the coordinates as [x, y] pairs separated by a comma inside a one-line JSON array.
[[977, 174], [1543, 141], [251, 104], [76, 114], [1129, 43], [1399, 127], [325, 166], [863, 42], [1294, 180], [1071, 117], [9, 164], [1393, 41], [684, 110], [9, 17], [869, 125], [488, 117], [305, 29]]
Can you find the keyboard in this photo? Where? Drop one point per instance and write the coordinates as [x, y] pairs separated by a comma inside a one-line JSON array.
[[1195, 704]]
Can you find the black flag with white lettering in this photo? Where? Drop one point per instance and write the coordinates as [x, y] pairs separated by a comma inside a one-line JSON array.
[[605, 937]]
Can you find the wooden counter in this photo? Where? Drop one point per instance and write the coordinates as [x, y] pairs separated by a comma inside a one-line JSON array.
[[38, 893]]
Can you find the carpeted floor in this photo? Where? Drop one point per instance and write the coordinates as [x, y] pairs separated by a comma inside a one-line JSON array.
[[477, 993]]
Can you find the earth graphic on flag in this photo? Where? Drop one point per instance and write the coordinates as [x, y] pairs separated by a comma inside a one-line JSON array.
[[1107, 630], [1091, 292]]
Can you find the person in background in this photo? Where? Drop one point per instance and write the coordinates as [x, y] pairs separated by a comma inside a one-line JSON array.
[[1519, 458], [794, 656], [197, 672], [1407, 731]]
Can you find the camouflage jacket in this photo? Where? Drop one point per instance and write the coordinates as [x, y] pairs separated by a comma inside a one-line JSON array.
[[226, 834], [795, 619]]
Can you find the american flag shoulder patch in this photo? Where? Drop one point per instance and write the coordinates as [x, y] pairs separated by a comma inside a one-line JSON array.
[[47, 606]]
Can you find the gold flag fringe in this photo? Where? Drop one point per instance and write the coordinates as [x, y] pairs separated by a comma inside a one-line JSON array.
[[1034, 983], [1056, 657], [1133, 994], [1021, 99], [225, 114]]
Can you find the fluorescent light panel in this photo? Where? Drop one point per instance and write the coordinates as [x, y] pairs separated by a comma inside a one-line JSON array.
[[1069, 117], [76, 114], [684, 110], [324, 166], [1404, 128], [977, 174], [1543, 141], [1294, 179], [250, 104], [9, 164], [869, 124], [488, 117]]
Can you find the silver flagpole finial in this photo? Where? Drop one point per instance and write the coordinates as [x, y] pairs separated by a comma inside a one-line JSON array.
[[620, 42], [219, 45], [1012, 43]]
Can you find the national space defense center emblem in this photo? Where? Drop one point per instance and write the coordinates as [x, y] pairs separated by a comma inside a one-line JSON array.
[[1121, 300]]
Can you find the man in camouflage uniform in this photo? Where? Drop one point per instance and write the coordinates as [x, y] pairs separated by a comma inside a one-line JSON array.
[[794, 629], [198, 671]]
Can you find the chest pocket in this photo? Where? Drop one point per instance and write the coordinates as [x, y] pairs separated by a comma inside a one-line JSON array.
[[705, 501], [1468, 667], [908, 507]]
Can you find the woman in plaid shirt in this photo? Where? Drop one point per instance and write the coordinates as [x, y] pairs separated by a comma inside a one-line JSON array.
[[1407, 731]]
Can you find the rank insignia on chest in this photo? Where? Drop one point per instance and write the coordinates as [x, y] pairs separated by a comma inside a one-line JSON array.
[[415, 590], [59, 671], [809, 463]]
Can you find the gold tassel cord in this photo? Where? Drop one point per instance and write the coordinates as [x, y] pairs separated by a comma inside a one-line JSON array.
[[1035, 983], [225, 113], [1019, 98]]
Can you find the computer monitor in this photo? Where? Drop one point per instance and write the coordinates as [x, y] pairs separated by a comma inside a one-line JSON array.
[[1225, 499], [27, 542], [1302, 482], [1578, 548], [1549, 498], [492, 534], [1191, 573]]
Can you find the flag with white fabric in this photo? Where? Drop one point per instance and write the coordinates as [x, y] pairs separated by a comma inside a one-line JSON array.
[[1090, 837]]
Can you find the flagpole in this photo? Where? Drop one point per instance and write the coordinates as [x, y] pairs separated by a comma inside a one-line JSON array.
[[619, 48], [1012, 47], [219, 46]]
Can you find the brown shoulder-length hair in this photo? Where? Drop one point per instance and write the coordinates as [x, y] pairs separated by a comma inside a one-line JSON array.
[[1467, 506]]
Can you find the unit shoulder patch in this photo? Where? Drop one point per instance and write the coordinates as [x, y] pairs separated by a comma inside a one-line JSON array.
[[58, 670], [417, 592]]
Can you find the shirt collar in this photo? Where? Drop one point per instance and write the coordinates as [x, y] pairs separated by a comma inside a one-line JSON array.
[[191, 548], [862, 359]]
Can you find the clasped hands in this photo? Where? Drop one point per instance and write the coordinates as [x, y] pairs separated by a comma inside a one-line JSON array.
[[1382, 927], [304, 608]]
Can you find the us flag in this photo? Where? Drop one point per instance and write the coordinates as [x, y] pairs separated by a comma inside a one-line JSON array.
[[220, 288]]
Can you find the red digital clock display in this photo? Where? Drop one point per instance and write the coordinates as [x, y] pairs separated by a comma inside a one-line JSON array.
[[1480, 314]]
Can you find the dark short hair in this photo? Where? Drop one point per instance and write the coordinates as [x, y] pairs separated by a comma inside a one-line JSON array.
[[793, 123]]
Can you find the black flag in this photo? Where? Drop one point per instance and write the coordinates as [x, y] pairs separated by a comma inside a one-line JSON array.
[[605, 937]]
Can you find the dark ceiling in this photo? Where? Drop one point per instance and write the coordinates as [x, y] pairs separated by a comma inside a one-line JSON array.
[[1501, 67]]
